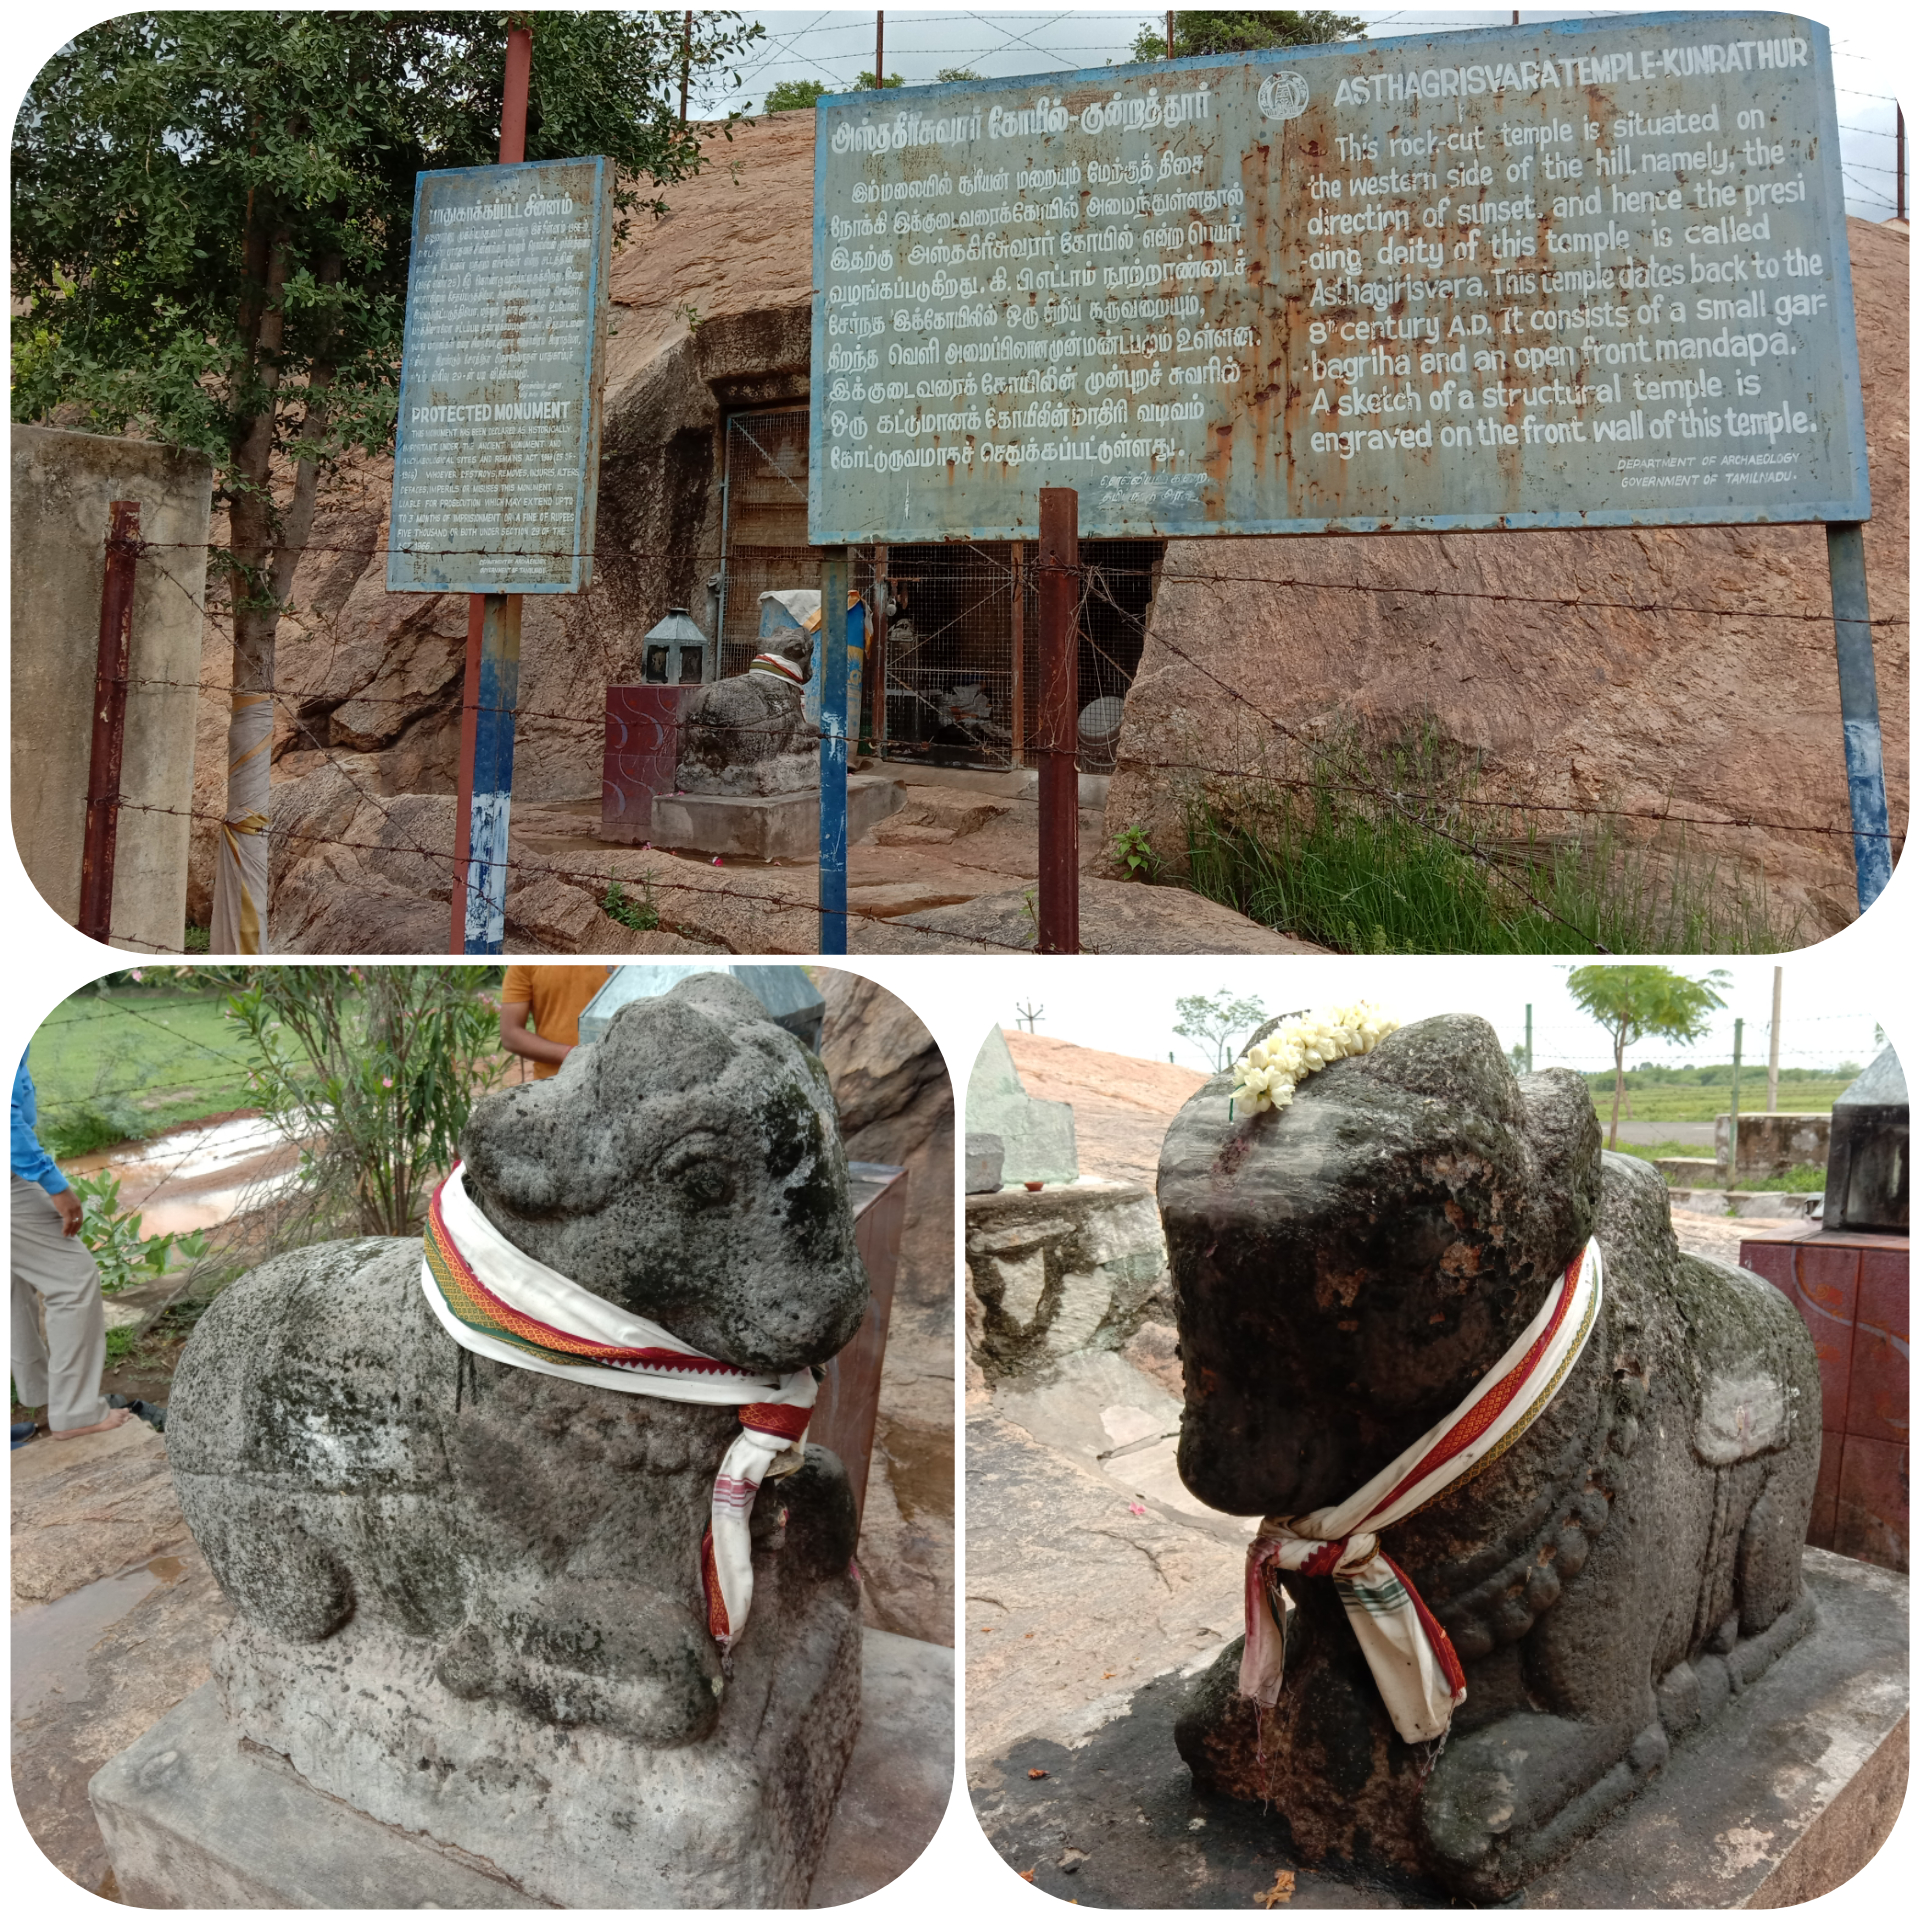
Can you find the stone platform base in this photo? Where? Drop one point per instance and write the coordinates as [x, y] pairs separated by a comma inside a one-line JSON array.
[[778, 826], [193, 1817], [1785, 1796]]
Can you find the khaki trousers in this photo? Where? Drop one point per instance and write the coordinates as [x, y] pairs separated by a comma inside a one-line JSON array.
[[60, 1369]]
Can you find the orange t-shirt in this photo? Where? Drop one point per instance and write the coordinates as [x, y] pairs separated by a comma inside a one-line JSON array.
[[557, 996]]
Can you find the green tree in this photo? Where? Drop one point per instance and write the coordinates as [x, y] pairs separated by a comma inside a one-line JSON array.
[[1195, 33], [791, 96], [1636, 1003], [947, 74], [373, 1072], [211, 226], [864, 83], [1215, 1022]]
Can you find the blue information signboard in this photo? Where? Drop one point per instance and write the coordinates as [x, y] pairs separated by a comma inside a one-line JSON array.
[[498, 452], [1580, 273]]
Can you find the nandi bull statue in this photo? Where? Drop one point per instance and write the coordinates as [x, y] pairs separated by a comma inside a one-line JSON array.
[[528, 1552], [1534, 1483], [748, 734]]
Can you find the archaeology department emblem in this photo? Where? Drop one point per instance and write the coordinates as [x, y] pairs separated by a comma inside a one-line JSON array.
[[1283, 96]]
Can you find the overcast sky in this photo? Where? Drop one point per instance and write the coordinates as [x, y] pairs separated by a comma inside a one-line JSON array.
[[1125, 1004], [834, 45]]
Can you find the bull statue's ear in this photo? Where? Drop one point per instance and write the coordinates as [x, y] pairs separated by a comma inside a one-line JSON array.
[[1564, 1135]]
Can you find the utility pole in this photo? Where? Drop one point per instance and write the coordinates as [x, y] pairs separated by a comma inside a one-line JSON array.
[[1773, 1048], [491, 690], [686, 61], [1529, 1036], [879, 52], [1899, 162], [1169, 56], [108, 749], [1028, 1016], [1733, 1113]]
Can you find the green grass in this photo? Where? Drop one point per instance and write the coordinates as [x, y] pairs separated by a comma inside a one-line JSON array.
[[120, 1068], [1662, 1149], [1707, 1103], [1355, 872]]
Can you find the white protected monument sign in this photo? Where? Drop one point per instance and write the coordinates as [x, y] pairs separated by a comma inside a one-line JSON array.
[[1587, 273], [498, 451]]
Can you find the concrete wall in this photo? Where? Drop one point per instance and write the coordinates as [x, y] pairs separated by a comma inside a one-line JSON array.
[[63, 484], [1770, 1143]]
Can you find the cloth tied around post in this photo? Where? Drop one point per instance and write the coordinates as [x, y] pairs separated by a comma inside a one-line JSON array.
[[1414, 1664], [505, 1305]]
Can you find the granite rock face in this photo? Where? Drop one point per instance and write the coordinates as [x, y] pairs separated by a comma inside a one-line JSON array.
[[747, 734], [1344, 1272], [468, 1595]]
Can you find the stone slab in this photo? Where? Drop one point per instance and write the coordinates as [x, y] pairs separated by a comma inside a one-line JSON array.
[[1783, 1797], [193, 1817], [768, 827]]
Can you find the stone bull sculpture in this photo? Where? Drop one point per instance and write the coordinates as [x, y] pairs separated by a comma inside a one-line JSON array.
[[748, 734], [1346, 1272], [469, 1595]]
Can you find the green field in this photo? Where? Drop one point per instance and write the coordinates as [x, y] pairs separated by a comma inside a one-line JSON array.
[[121, 1068], [1703, 1103]]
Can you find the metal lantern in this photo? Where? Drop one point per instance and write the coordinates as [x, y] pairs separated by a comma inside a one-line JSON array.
[[675, 652]]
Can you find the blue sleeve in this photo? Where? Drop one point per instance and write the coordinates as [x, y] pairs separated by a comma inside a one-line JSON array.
[[31, 1161]]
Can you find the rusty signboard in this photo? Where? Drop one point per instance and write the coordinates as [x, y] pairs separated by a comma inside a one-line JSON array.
[[498, 450], [1584, 273]]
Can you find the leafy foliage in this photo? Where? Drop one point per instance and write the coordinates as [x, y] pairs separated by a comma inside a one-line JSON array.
[[93, 1124], [946, 75], [1133, 850], [1633, 1003], [791, 96], [1215, 1023], [1252, 32], [112, 1236], [641, 915], [865, 83], [373, 1072]]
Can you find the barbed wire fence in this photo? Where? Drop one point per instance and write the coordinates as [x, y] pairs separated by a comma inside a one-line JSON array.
[[1114, 612]]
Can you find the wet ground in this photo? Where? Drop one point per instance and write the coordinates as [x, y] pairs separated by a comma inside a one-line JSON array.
[[197, 1175]]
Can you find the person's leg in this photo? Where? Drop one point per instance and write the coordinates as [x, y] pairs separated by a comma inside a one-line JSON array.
[[62, 1272]]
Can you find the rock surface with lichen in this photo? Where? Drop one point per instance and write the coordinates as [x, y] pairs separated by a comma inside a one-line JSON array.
[[468, 1595], [1345, 1271]]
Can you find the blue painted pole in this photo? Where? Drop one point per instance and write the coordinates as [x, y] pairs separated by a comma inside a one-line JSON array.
[[833, 750], [491, 807], [1859, 710]]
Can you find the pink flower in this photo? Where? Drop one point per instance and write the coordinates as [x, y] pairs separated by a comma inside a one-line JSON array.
[[386, 1083], [138, 975]]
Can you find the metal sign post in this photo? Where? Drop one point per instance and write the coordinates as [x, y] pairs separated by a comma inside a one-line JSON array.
[[1859, 711], [833, 750], [1058, 568], [497, 458]]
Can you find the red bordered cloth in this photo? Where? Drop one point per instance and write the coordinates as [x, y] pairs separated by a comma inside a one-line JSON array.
[[504, 1304], [1414, 1665], [780, 667]]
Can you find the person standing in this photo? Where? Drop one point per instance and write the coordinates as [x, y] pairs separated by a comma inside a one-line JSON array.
[[553, 999], [54, 1275]]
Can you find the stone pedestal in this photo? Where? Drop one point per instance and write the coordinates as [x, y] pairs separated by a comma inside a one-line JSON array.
[[1783, 1797], [768, 826], [195, 1816]]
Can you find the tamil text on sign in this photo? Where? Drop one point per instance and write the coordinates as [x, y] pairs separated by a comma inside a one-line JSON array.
[[498, 449], [1585, 273]]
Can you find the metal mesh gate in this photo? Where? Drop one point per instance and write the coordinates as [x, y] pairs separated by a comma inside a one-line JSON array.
[[958, 649], [765, 525]]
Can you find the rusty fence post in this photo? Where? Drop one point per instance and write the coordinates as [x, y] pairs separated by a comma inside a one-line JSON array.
[[109, 720], [1057, 563]]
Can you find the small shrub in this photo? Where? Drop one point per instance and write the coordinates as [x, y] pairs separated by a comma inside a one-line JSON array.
[[641, 915], [94, 1124], [121, 1342], [112, 1236], [1132, 850]]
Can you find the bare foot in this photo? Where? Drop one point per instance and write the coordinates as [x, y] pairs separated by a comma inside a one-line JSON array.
[[117, 1418]]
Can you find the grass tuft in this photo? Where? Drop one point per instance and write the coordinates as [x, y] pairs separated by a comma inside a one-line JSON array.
[[1349, 869]]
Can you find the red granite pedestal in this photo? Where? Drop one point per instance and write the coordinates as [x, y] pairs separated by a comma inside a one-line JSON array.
[[1851, 1290]]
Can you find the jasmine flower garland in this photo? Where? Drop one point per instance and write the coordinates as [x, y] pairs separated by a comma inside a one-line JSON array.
[[1266, 1075]]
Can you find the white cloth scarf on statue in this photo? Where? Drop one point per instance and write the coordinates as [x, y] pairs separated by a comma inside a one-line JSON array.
[[502, 1303], [1414, 1665]]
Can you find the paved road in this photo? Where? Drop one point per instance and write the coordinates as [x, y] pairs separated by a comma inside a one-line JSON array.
[[1648, 1133]]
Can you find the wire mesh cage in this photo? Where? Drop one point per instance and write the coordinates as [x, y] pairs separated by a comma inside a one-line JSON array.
[[765, 525]]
